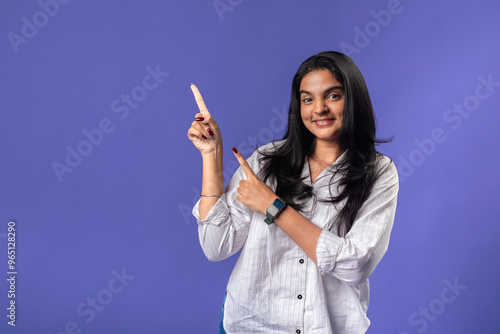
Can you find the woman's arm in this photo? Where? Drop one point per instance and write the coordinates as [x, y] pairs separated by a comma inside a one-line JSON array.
[[206, 137], [223, 221], [224, 230], [352, 258], [212, 181]]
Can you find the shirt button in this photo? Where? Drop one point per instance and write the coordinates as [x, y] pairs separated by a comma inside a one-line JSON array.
[[301, 261], [297, 331], [299, 296]]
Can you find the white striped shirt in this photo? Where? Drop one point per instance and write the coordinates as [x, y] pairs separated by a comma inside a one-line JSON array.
[[274, 286]]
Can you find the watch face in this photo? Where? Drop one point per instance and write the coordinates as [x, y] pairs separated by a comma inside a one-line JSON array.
[[275, 208], [278, 204]]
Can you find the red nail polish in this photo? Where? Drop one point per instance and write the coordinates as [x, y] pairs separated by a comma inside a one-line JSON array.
[[204, 137], [210, 132], [235, 150], [199, 119]]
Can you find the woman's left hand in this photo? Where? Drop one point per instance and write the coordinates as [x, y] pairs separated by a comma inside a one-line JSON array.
[[253, 192]]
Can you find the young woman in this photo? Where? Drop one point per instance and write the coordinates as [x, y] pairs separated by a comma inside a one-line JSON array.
[[311, 213]]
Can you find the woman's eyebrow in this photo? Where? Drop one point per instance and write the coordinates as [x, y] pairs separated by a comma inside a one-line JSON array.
[[334, 88], [326, 91]]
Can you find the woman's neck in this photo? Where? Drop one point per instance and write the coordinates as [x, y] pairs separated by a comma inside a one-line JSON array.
[[327, 152]]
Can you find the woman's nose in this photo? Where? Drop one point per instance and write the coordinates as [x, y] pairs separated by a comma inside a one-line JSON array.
[[320, 106]]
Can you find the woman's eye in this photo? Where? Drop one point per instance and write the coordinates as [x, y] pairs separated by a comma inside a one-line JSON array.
[[333, 96], [306, 100]]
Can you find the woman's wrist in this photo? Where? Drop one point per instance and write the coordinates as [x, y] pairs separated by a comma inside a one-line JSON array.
[[213, 174], [215, 155]]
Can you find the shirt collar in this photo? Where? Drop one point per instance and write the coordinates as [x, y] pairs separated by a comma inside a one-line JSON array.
[[326, 172]]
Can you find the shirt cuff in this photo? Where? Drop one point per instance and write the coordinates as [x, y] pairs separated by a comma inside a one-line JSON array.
[[327, 250], [217, 214]]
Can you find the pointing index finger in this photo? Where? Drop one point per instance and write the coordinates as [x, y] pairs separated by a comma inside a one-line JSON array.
[[244, 164], [199, 100]]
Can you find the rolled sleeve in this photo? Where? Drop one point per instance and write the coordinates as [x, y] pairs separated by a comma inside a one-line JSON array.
[[327, 251], [217, 215]]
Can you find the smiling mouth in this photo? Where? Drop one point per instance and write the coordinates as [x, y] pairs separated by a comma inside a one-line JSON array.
[[322, 122]]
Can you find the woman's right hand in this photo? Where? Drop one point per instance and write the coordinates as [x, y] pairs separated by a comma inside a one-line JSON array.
[[204, 131]]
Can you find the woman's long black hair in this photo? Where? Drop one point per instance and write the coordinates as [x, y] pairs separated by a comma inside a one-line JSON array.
[[357, 138]]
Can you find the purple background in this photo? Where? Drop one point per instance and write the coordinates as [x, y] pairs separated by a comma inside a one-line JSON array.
[[126, 205]]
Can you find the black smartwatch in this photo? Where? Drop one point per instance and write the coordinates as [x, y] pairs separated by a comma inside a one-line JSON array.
[[274, 210]]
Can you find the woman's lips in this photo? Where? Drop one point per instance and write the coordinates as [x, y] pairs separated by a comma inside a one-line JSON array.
[[323, 122]]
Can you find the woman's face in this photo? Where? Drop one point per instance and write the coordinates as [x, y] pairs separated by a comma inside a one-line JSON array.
[[322, 104]]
